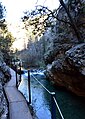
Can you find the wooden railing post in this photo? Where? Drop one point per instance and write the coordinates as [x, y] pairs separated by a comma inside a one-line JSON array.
[[20, 70], [29, 89], [16, 76]]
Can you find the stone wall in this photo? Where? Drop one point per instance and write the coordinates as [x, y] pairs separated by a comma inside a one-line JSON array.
[[4, 77]]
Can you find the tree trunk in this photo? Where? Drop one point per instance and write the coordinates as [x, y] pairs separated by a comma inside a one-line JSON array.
[[74, 26]]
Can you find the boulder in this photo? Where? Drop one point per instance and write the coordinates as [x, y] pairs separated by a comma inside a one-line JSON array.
[[65, 61], [69, 70]]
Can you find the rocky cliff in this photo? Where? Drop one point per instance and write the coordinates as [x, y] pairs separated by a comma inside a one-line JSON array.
[[66, 59], [4, 77]]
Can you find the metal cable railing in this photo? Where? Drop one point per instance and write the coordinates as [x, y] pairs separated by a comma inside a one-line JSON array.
[[53, 100], [58, 108], [42, 85]]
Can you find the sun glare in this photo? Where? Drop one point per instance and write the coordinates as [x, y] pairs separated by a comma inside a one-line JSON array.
[[15, 9]]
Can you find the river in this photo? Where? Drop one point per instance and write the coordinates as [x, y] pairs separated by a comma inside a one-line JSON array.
[[72, 107]]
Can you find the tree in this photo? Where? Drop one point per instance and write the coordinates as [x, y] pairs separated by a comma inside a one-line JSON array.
[[39, 19], [72, 22], [6, 38], [2, 25], [2, 9], [47, 17]]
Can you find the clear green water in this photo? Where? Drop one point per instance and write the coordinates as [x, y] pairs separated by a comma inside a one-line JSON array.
[[72, 107]]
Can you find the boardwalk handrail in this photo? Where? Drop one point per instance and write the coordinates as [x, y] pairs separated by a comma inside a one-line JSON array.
[[53, 97], [42, 85], [54, 101], [58, 107]]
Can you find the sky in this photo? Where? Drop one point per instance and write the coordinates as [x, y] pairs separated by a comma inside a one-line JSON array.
[[15, 8]]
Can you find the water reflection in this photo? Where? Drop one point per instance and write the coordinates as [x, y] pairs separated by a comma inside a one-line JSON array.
[[72, 107], [23, 87], [40, 98]]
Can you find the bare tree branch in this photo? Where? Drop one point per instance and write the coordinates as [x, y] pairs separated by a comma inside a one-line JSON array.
[[44, 13], [73, 24], [53, 15]]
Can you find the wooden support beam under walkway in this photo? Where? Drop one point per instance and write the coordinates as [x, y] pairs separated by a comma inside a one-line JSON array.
[[18, 108]]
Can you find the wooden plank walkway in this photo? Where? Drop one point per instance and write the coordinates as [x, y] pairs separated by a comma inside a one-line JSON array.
[[18, 108]]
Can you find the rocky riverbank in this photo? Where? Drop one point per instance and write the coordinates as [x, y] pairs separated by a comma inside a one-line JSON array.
[[69, 70], [66, 59], [4, 78]]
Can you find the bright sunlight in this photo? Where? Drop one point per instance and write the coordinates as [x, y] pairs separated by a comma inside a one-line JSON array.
[[15, 10]]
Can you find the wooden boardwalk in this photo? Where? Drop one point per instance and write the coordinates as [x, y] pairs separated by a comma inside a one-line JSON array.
[[18, 108]]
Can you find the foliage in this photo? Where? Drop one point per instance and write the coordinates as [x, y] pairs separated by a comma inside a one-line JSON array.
[[49, 18], [62, 21], [2, 9], [28, 60], [6, 43], [33, 55], [6, 38], [39, 20]]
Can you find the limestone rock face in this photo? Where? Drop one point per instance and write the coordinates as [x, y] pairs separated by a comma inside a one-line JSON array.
[[4, 77], [76, 57], [66, 59], [69, 70]]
